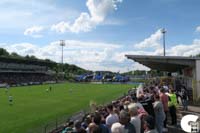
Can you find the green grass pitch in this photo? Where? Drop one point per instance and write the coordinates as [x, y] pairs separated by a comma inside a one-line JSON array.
[[33, 107]]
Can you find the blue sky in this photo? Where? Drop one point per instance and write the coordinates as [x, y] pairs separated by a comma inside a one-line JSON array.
[[98, 33]]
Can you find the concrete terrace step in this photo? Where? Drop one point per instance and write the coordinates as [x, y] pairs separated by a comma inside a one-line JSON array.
[[180, 113]]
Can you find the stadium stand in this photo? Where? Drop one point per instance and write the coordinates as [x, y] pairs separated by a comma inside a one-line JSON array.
[[24, 72]]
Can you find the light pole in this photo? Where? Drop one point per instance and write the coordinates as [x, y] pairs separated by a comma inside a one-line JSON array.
[[163, 32], [62, 44]]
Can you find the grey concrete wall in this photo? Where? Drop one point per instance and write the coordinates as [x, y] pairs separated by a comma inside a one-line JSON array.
[[197, 81]]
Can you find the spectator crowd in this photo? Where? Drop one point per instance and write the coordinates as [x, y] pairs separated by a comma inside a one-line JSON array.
[[143, 110], [25, 78]]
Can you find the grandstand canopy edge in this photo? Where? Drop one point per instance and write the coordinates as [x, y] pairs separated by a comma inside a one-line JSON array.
[[190, 66]]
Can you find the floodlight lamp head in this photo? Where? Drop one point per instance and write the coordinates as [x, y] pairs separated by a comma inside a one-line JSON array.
[[163, 31], [62, 43]]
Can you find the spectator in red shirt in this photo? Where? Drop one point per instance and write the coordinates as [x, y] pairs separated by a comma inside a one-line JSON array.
[[164, 99]]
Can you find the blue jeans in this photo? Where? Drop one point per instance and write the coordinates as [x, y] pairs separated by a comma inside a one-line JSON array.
[[185, 104], [159, 123]]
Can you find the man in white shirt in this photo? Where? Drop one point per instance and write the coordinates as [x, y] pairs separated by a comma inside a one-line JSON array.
[[112, 117], [135, 120]]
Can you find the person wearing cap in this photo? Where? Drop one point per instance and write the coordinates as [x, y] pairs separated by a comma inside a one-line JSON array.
[[124, 119], [149, 125]]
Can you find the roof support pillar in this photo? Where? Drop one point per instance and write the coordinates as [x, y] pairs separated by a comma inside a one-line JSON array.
[[196, 82]]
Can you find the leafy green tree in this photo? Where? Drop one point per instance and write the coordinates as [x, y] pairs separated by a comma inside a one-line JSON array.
[[15, 55], [198, 55], [27, 57], [155, 73], [4, 52], [33, 57], [139, 72]]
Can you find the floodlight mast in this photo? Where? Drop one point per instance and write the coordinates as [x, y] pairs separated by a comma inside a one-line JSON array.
[[163, 31], [62, 44]]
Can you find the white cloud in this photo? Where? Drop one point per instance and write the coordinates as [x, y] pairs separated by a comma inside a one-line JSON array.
[[137, 66], [83, 23], [98, 10], [60, 27], [87, 54], [198, 29], [151, 42], [16, 15], [34, 31], [184, 49], [176, 50]]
